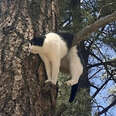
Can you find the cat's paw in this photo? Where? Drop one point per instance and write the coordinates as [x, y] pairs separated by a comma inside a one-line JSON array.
[[70, 82], [48, 81]]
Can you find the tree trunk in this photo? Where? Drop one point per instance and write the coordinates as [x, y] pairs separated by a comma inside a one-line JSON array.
[[83, 92], [22, 75]]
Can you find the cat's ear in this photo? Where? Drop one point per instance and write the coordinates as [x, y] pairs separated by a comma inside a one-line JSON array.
[[43, 36], [37, 35]]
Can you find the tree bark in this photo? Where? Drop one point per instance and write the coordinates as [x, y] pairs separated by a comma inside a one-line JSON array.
[[86, 32], [22, 88]]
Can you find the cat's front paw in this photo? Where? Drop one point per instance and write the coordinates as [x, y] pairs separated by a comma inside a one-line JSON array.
[[48, 81]]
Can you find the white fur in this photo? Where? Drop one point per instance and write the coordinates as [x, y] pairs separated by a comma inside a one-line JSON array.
[[52, 52], [76, 68]]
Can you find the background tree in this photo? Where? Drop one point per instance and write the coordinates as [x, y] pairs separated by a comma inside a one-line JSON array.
[[90, 13], [82, 104]]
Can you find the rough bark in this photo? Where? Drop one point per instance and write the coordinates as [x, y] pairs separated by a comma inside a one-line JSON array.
[[22, 88]]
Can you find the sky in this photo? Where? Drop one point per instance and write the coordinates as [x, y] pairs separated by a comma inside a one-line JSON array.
[[102, 98]]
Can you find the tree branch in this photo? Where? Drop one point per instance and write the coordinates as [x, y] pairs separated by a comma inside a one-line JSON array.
[[111, 62], [99, 89], [107, 108], [84, 33]]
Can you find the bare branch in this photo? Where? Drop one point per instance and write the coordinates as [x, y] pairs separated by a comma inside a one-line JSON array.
[[84, 33], [111, 62], [107, 108], [99, 89]]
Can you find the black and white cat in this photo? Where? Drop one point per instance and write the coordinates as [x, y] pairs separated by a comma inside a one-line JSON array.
[[57, 53]]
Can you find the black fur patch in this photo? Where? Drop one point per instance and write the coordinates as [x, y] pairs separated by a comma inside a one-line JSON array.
[[67, 37], [75, 89], [38, 41], [73, 93]]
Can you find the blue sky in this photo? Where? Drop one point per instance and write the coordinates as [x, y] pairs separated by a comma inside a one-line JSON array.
[[102, 98]]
